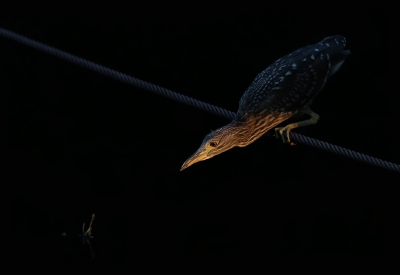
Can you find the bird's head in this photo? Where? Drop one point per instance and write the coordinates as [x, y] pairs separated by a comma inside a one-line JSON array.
[[216, 143]]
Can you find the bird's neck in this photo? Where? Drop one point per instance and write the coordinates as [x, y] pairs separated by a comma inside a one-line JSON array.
[[251, 127]]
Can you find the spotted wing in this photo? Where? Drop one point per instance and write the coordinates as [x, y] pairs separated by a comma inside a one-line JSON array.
[[294, 80]]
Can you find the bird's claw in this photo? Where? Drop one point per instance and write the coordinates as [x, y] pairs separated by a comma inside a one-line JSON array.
[[283, 132]]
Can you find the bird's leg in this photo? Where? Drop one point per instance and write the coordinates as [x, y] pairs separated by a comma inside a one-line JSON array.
[[281, 131]]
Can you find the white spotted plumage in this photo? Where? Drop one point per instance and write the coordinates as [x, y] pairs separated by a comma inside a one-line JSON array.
[[293, 80]]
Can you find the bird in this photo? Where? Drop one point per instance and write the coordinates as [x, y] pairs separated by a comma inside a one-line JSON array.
[[284, 89]]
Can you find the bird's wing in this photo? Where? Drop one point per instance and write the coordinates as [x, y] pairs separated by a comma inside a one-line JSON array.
[[293, 80]]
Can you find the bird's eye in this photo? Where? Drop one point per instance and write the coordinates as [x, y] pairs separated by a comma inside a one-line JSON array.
[[213, 144]]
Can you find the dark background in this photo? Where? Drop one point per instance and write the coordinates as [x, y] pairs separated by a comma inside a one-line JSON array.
[[82, 143]]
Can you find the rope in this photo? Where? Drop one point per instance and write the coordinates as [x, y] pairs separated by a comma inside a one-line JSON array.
[[116, 75], [188, 100]]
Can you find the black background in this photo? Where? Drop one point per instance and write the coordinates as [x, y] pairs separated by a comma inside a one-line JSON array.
[[82, 143]]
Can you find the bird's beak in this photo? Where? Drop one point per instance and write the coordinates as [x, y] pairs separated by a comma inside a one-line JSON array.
[[200, 155]]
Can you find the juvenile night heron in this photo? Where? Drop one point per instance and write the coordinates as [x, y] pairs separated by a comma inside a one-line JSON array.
[[282, 90]]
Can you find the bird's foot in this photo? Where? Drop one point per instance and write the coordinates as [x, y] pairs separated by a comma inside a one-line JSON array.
[[283, 132]]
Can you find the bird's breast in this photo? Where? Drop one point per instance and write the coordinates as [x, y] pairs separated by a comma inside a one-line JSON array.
[[257, 124]]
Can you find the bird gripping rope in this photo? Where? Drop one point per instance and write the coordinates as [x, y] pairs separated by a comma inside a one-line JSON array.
[[283, 89]]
